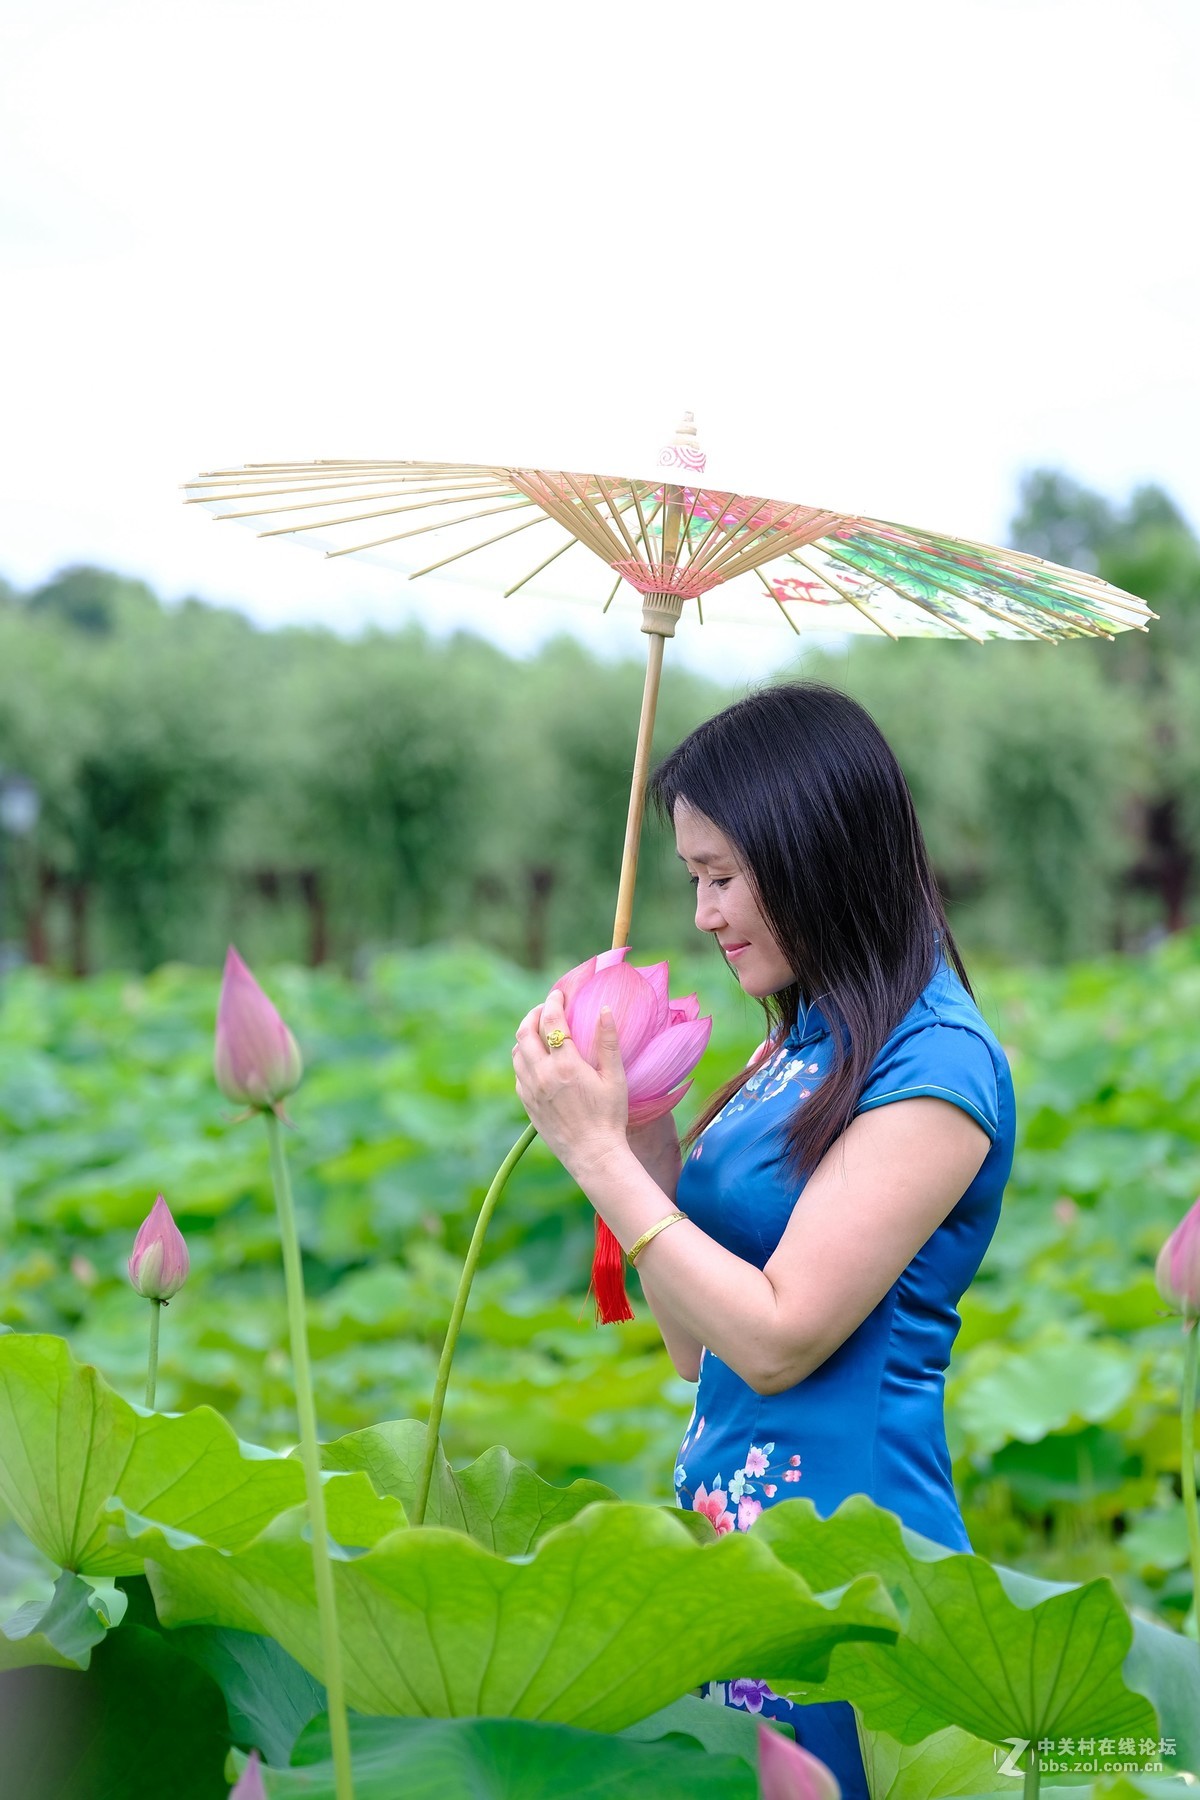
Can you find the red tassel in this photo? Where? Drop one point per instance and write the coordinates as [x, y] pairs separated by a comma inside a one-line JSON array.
[[608, 1278]]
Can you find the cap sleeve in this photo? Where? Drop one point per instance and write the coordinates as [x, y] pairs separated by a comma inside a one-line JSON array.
[[946, 1062]]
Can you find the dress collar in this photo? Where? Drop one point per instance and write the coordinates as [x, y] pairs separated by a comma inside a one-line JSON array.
[[810, 1025]]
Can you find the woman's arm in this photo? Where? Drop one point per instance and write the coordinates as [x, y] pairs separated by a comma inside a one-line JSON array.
[[875, 1198], [656, 1147]]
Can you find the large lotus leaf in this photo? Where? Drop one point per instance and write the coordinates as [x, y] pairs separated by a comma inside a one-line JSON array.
[[1092, 1467], [68, 1443], [947, 1763], [1056, 1382], [1160, 1664], [141, 1724], [497, 1501], [59, 1633], [269, 1698], [615, 1614], [999, 1664], [506, 1759], [724, 1730]]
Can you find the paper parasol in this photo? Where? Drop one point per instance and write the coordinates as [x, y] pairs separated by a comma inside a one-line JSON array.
[[668, 540]]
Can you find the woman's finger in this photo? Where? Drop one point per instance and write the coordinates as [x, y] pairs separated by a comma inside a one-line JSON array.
[[530, 1026]]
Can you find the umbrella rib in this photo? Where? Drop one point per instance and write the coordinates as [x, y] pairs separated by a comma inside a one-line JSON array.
[[1091, 583], [249, 473], [911, 599], [717, 536], [1021, 624], [686, 534], [618, 515], [603, 523], [612, 596], [656, 569], [263, 512], [572, 543], [420, 530], [775, 597], [739, 559], [316, 483], [457, 555], [385, 512], [1088, 594], [850, 599], [571, 518], [954, 580]]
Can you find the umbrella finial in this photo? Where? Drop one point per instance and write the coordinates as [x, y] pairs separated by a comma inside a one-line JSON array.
[[683, 452]]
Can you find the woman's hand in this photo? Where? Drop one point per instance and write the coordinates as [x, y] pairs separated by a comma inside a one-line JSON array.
[[581, 1113]]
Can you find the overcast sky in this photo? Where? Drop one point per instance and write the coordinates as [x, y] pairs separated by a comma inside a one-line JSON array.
[[891, 255]]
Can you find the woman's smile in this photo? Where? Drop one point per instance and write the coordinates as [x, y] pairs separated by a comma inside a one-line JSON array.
[[726, 906]]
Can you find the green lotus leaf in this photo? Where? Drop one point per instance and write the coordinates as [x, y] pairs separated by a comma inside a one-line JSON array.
[[723, 1730], [68, 1443], [1053, 1383], [999, 1656], [143, 1722], [615, 1614], [506, 1759], [949, 1762], [269, 1698], [59, 1633], [497, 1501]]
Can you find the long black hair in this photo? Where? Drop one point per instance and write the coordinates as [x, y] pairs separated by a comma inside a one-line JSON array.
[[802, 782]]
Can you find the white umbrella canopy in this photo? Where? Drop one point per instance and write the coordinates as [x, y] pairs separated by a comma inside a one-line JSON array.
[[666, 545]]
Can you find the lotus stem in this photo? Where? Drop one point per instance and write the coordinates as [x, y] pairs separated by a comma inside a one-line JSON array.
[[339, 1730], [156, 1307], [470, 1264], [1187, 1461], [1033, 1773]]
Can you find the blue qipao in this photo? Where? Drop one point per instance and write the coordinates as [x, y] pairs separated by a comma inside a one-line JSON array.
[[870, 1419]]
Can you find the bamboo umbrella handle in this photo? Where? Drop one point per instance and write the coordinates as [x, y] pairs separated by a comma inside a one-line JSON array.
[[637, 791]]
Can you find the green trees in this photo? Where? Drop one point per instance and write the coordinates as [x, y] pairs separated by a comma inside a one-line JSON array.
[[202, 779]]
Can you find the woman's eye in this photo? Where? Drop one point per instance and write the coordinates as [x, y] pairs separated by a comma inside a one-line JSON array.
[[718, 881]]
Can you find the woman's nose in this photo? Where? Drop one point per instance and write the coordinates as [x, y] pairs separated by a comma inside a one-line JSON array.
[[708, 913]]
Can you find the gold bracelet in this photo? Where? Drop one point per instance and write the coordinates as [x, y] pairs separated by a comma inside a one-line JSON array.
[[635, 1250]]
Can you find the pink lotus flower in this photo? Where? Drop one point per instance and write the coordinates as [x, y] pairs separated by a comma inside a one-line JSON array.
[[1177, 1271], [714, 1506], [786, 1771], [661, 1039], [159, 1265], [250, 1782], [257, 1060]]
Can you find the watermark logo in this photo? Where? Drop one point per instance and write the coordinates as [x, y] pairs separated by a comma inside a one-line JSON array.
[[1085, 1756]]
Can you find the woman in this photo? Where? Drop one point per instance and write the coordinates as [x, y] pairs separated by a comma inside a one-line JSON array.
[[839, 1194]]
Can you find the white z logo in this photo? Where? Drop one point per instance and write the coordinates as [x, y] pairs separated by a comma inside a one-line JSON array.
[[1019, 1747]]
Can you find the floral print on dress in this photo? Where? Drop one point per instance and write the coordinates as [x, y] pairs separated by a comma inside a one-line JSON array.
[[718, 1502], [749, 1694], [783, 1069]]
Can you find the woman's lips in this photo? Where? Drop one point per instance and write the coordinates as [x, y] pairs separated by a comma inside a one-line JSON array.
[[733, 951]]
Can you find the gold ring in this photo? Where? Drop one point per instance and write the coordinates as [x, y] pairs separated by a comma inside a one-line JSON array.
[[557, 1038]]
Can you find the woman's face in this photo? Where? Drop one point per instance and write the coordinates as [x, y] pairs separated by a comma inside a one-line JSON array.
[[726, 907]]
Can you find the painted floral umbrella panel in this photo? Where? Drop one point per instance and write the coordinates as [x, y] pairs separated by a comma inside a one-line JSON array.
[[605, 539]]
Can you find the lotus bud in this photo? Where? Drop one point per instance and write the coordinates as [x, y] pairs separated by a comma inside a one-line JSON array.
[[786, 1771], [249, 1785], [661, 1040], [257, 1060], [1177, 1271], [159, 1265]]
